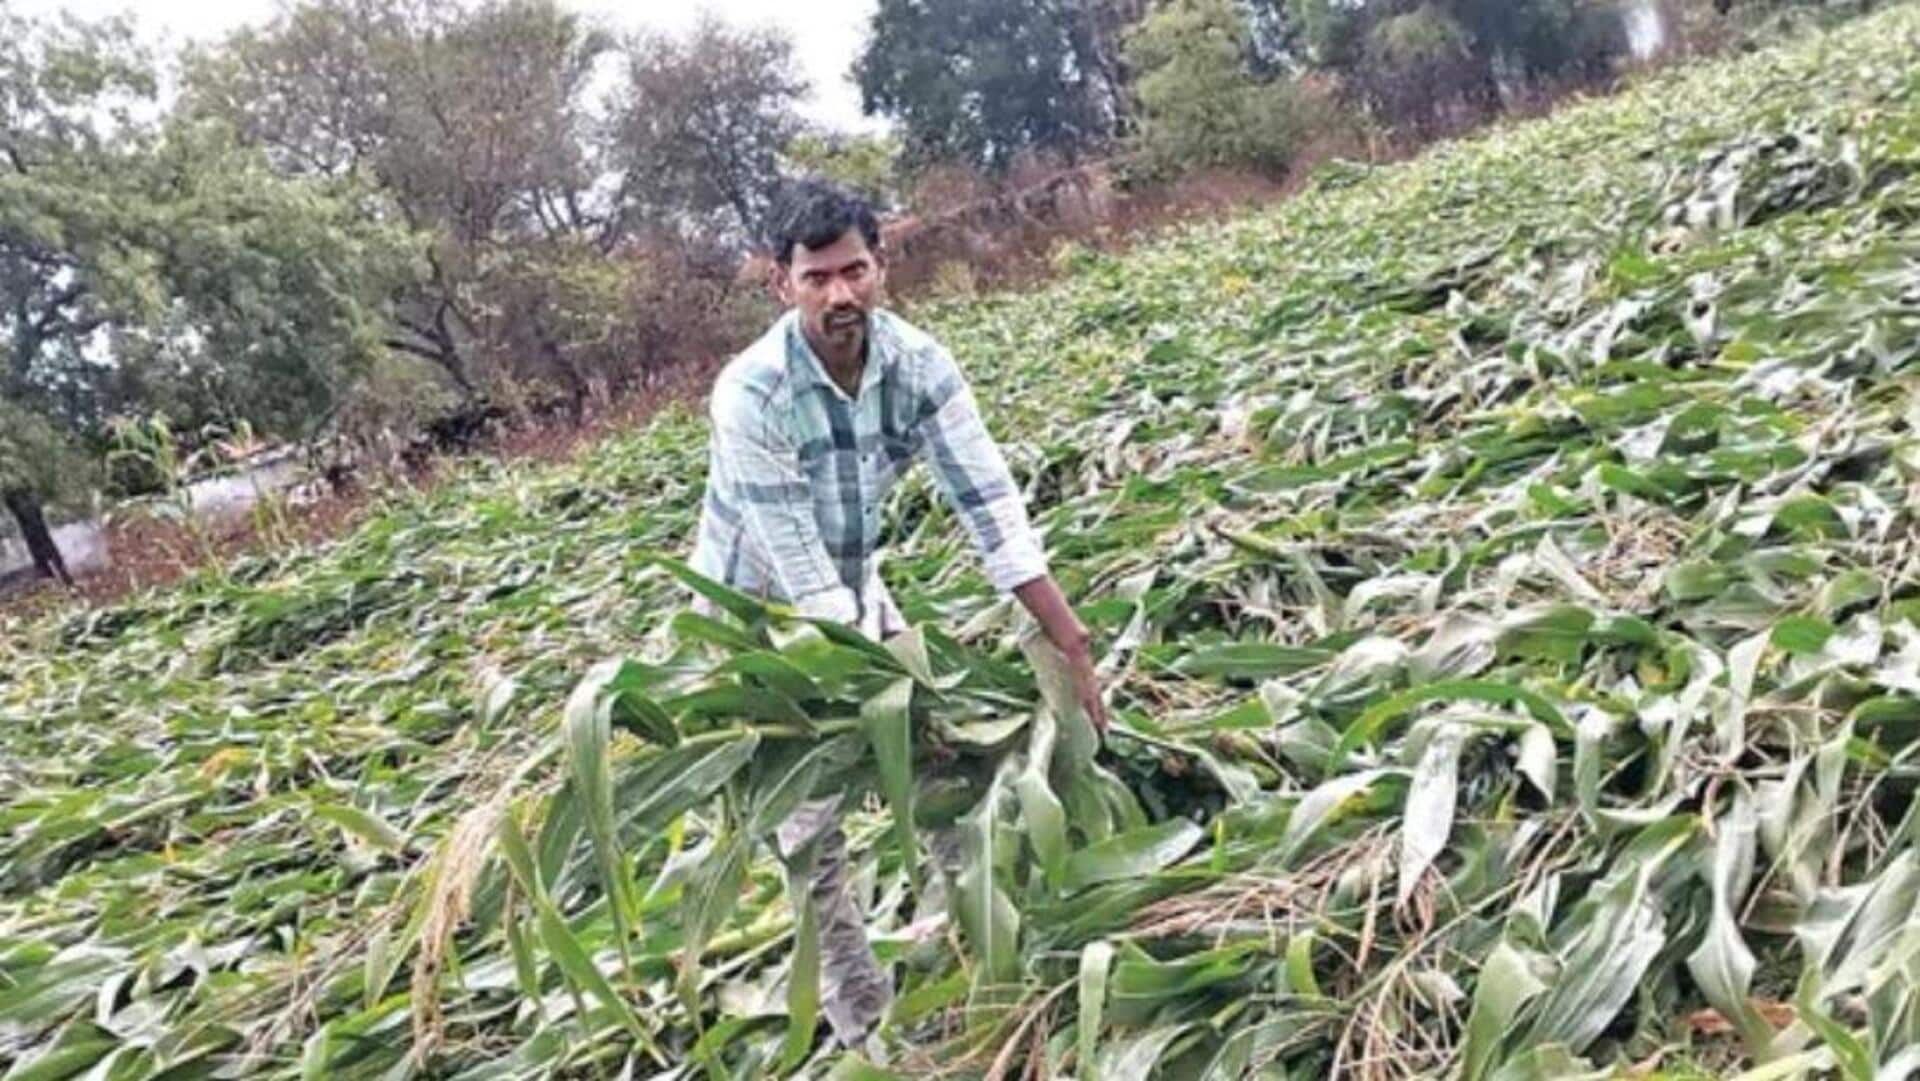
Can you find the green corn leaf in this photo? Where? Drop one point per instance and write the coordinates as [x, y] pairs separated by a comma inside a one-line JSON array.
[[1137, 1057], [317, 1053], [71, 1051], [1601, 971], [776, 672], [985, 913], [1096, 961], [1140, 983], [732, 601], [711, 894], [1323, 805], [1133, 854], [526, 970], [1722, 964], [363, 824], [1372, 724], [668, 786], [775, 801], [1430, 807], [909, 647], [888, 721], [803, 982], [578, 966], [1041, 812], [1802, 634], [1299, 965], [1506, 984], [588, 733], [1252, 660], [1849, 1052]]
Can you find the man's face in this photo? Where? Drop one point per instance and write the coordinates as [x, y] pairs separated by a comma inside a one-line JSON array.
[[836, 288]]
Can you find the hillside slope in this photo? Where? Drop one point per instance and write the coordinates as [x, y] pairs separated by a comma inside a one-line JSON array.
[[1506, 564]]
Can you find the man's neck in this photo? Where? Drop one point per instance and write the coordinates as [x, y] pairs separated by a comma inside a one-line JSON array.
[[843, 368]]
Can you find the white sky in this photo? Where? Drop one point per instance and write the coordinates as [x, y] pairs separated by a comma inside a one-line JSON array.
[[826, 33]]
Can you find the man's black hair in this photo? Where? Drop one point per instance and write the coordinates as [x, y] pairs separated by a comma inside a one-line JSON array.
[[814, 214]]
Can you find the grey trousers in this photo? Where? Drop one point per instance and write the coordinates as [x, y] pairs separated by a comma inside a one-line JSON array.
[[854, 991]]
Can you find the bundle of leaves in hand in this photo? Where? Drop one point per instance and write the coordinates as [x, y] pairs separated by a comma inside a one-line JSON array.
[[751, 715]]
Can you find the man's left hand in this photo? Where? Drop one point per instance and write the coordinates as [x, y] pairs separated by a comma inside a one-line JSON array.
[[1087, 683], [1048, 605]]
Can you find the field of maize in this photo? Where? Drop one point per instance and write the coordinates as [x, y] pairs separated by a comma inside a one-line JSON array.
[[1506, 570]]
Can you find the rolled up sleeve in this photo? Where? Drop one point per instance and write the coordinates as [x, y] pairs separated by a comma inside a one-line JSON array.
[[972, 473]]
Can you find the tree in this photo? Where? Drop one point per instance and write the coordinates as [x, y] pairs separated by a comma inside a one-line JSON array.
[[1200, 102], [159, 266], [37, 464], [479, 126], [275, 289], [866, 163], [1408, 58], [705, 119], [467, 119], [65, 93], [982, 80]]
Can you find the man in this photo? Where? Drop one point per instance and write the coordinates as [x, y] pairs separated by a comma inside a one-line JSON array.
[[812, 425]]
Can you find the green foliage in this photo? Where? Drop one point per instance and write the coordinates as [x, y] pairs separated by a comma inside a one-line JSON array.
[[867, 163], [705, 120], [544, 199], [467, 120], [1501, 560], [1406, 59], [72, 209], [1199, 105], [275, 288], [1425, 37], [159, 266], [37, 457], [984, 80]]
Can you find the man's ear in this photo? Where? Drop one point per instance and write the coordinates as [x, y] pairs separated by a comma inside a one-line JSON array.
[[780, 281]]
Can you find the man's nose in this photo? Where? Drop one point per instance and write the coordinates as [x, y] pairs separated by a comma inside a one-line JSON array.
[[839, 293]]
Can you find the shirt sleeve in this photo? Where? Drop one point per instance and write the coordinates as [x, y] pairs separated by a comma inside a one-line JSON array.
[[758, 461], [973, 475]]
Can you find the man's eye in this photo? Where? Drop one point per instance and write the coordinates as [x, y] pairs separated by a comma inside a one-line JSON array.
[[857, 271], [815, 279]]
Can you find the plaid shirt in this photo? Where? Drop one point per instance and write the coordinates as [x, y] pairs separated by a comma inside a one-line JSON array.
[[799, 471]]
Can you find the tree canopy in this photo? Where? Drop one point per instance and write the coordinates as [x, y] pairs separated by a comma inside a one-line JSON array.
[[704, 121], [480, 126], [1407, 57], [982, 80], [1201, 101], [159, 265]]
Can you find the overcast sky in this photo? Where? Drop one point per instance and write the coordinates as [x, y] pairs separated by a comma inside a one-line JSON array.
[[826, 33]]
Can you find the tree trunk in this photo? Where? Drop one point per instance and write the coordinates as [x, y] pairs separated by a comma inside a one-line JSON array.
[[33, 528]]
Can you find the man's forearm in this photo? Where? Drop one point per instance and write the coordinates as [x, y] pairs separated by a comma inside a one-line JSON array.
[[1043, 599]]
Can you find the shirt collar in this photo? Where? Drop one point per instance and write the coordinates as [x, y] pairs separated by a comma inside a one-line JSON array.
[[812, 369]]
